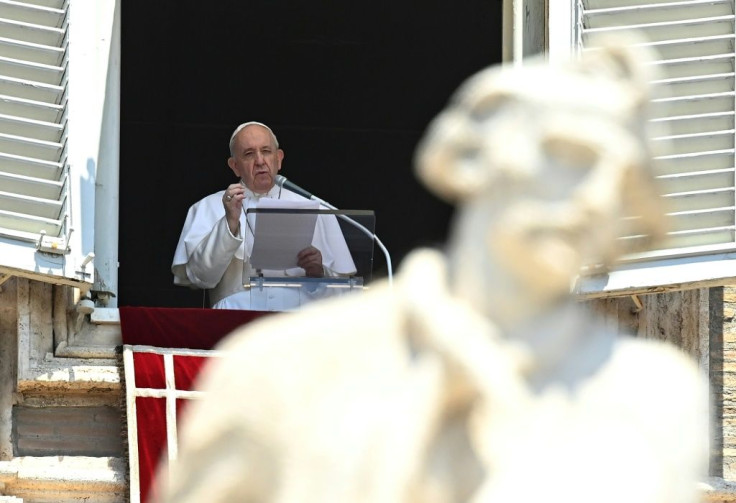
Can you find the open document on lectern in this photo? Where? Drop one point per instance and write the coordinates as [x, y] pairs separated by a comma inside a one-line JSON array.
[[280, 232]]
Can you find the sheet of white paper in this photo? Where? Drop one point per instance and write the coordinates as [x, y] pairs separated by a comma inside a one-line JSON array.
[[279, 237]]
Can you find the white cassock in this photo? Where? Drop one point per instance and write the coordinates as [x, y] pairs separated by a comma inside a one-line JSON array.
[[209, 256]]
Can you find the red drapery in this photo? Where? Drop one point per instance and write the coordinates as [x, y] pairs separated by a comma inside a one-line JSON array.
[[180, 328], [169, 328]]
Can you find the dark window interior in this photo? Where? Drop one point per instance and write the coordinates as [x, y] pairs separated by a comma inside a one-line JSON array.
[[348, 87]]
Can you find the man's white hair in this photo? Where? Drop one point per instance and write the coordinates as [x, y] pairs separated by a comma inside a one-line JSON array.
[[245, 125]]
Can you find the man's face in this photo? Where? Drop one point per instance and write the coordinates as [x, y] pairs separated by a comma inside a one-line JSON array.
[[255, 158]]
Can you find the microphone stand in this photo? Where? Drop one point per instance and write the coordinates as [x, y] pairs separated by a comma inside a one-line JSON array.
[[365, 230], [282, 181]]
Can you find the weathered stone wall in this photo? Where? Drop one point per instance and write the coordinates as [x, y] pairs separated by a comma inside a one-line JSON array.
[[696, 321], [675, 317], [724, 383], [67, 431], [61, 436], [8, 358]]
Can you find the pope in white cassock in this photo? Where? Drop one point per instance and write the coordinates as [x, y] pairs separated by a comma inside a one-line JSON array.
[[217, 240]]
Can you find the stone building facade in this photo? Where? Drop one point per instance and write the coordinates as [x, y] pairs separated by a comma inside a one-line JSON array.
[[62, 437]]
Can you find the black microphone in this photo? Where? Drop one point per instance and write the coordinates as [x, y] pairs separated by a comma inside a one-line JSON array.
[[282, 181]]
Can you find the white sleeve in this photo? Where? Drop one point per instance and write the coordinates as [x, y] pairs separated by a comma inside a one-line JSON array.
[[205, 249], [211, 257]]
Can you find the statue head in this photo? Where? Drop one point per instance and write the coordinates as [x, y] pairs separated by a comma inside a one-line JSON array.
[[549, 166]]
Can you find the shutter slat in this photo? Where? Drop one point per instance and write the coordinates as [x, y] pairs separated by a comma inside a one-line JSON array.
[[708, 180], [699, 142], [28, 227], [30, 205], [33, 33], [37, 168], [30, 128], [687, 242], [613, 4], [697, 67], [650, 15], [657, 32], [28, 90], [28, 70], [701, 200], [30, 186], [690, 124], [30, 13], [27, 51], [720, 53], [31, 109], [29, 147], [692, 105], [695, 220], [664, 112], [694, 47], [701, 237], [709, 161], [54, 4], [711, 87]]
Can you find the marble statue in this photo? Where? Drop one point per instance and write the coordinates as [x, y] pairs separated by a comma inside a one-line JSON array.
[[476, 377]]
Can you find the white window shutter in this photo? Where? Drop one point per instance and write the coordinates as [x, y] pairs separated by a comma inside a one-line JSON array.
[[694, 104], [34, 176], [54, 90], [32, 116]]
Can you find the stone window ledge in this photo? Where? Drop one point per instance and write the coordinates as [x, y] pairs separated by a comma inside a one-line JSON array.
[[100, 479], [717, 490], [71, 374]]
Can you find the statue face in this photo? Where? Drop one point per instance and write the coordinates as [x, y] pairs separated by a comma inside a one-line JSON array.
[[565, 199], [542, 171]]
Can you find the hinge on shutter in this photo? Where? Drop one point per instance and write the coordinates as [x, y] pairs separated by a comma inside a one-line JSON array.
[[55, 245], [48, 244]]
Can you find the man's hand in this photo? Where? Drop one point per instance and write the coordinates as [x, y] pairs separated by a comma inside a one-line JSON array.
[[310, 259], [232, 201]]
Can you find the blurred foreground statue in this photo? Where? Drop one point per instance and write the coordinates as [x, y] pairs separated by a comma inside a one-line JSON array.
[[476, 377]]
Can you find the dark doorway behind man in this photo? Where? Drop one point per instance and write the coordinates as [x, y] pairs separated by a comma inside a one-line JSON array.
[[348, 87]]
